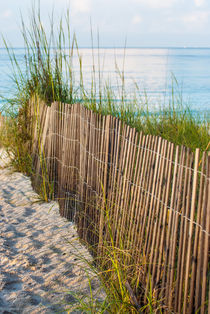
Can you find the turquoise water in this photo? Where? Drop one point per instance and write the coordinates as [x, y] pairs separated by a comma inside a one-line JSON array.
[[150, 68]]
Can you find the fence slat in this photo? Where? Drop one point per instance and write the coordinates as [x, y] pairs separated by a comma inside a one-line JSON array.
[[182, 241], [165, 285], [165, 209], [206, 269], [190, 234], [197, 231], [105, 155], [174, 235]]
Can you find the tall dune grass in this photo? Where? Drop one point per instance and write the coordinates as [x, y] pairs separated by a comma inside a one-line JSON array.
[[48, 72], [121, 288]]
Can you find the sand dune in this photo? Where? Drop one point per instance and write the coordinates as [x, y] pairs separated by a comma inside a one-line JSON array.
[[37, 265]]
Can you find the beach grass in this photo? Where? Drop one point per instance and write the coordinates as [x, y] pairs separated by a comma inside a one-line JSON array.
[[49, 73], [122, 285]]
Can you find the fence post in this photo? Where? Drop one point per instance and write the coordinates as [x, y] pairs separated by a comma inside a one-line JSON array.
[[105, 180]]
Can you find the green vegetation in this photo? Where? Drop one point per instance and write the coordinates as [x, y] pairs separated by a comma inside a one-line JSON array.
[[122, 285], [48, 73]]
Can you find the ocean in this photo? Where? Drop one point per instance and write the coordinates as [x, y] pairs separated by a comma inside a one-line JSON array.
[[151, 69]]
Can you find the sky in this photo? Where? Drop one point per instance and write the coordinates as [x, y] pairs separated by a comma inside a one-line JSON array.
[[141, 23]]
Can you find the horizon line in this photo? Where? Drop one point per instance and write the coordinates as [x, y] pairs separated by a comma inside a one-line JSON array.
[[129, 47]]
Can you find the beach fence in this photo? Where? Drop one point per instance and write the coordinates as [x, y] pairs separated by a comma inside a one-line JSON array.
[[153, 194]]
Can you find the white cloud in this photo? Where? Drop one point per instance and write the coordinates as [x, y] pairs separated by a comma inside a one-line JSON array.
[[136, 19], [199, 3], [80, 6], [76, 6], [198, 18], [195, 21], [157, 3], [6, 14]]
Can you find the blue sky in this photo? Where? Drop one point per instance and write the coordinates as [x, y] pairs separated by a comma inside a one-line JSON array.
[[145, 23]]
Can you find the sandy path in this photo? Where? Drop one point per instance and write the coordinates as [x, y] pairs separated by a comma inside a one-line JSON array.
[[37, 266]]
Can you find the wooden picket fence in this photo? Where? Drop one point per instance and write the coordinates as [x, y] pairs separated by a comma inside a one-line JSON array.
[[156, 196]]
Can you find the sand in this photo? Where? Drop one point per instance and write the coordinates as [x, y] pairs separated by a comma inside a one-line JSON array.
[[38, 267]]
